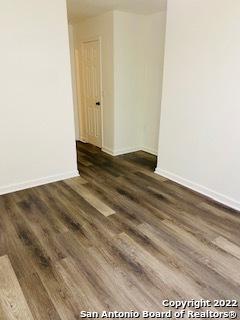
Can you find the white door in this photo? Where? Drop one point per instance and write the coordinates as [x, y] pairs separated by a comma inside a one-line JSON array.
[[91, 80]]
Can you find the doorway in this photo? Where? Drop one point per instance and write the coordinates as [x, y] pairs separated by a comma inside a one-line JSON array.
[[89, 83]]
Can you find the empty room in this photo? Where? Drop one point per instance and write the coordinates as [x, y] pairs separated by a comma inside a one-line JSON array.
[[119, 159]]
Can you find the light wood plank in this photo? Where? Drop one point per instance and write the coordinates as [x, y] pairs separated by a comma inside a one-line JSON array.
[[12, 300], [91, 198], [79, 180], [228, 246]]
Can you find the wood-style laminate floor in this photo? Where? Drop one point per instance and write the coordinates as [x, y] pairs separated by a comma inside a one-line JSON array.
[[117, 238]]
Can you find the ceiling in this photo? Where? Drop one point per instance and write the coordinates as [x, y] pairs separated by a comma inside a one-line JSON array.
[[82, 9]]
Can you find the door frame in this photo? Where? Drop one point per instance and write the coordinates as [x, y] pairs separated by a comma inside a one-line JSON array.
[[79, 79]]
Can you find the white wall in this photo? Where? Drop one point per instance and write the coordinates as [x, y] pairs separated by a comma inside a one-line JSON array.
[[74, 82], [138, 69], [129, 75], [36, 110], [199, 130], [102, 26], [153, 60]]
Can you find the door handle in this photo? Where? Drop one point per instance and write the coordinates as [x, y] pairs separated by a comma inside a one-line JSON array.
[[98, 103]]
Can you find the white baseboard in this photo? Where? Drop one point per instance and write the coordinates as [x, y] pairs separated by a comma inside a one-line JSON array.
[[38, 182], [108, 151], [229, 202], [149, 150], [119, 152]]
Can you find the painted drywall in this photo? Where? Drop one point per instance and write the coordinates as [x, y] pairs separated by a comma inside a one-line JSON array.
[[153, 61], [102, 26], [128, 80], [199, 129], [74, 82], [138, 69], [36, 110]]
